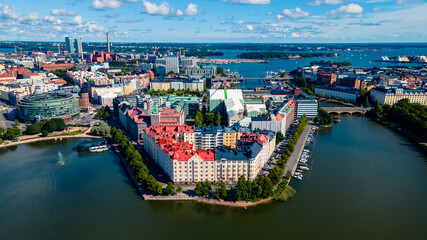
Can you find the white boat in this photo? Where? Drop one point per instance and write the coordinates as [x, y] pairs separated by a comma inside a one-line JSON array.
[[306, 150], [298, 177], [101, 148], [304, 168], [303, 161]]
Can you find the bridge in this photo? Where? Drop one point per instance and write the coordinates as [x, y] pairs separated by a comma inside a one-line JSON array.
[[245, 80], [346, 110]]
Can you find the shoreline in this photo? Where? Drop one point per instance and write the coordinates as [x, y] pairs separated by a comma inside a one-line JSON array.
[[41, 139]]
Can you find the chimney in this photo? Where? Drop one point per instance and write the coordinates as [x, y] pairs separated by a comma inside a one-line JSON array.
[[108, 43]]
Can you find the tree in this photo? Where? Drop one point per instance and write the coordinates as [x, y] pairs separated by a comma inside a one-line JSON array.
[[101, 130], [45, 133], [179, 189], [170, 188], [205, 99], [207, 187], [199, 189], [220, 190], [218, 118], [12, 133], [198, 121], [279, 137], [16, 122], [366, 102]]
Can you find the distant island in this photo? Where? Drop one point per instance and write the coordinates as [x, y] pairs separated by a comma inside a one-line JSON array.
[[202, 53], [330, 63], [283, 55]]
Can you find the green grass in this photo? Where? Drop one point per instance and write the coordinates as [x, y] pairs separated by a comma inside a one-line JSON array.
[[68, 134], [288, 193]]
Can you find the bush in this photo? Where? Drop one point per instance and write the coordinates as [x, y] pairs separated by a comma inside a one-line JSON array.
[[12, 133]]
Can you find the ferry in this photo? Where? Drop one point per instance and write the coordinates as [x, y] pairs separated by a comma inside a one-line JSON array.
[[98, 149]]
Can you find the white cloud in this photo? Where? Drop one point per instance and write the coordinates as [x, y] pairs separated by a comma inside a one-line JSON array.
[[30, 17], [346, 10], [295, 35], [249, 27], [297, 13], [165, 9], [52, 19], [154, 9], [254, 2], [325, 2], [77, 20], [192, 10], [105, 4], [7, 12], [62, 12]]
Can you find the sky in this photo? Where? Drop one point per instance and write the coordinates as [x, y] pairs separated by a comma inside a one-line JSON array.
[[211, 21]]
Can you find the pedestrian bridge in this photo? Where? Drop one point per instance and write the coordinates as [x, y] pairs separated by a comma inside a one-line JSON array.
[[346, 110]]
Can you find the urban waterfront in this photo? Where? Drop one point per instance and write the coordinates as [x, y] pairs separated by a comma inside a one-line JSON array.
[[366, 182]]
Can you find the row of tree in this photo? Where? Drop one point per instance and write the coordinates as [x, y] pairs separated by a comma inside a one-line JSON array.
[[142, 174], [262, 187], [411, 116], [56, 124], [208, 119]]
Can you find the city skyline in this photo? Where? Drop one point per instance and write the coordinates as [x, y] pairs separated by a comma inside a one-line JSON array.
[[258, 21]]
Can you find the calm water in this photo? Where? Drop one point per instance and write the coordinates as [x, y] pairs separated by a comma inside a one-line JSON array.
[[357, 58], [366, 182]]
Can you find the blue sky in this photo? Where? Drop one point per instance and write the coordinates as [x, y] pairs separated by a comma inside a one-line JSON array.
[[263, 21]]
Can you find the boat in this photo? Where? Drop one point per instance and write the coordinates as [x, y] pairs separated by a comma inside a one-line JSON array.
[[337, 119], [304, 168], [298, 177], [98, 149], [306, 150]]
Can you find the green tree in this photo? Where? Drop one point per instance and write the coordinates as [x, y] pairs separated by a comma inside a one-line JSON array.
[[206, 187], [198, 121], [12, 133], [45, 133], [366, 102], [179, 189], [199, 189], [101, 130], [279, 137], [205, 99], [170, 188], [218, 118], [221, 191], [16, 122]]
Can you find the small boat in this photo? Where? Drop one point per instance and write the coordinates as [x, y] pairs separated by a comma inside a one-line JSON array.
[[299, 177], [97, 149], [304, 168], [303, 161], [306, 150]]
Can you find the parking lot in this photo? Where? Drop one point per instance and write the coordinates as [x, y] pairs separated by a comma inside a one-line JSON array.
[[280, 148]]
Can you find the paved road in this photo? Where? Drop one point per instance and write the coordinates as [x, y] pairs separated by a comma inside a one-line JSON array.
[[292, 163]]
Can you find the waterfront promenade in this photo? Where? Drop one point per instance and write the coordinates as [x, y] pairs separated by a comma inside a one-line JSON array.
[[292, 163], [38, 138]]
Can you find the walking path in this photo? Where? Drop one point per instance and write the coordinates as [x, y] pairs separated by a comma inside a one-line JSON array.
[[39, 139], [292, 163]]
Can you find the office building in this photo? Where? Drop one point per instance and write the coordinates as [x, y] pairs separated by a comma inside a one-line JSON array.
[[391, 95], [69, 45], [78, 46]]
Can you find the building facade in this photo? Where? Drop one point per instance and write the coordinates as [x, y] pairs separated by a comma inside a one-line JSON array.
[[391, 95]]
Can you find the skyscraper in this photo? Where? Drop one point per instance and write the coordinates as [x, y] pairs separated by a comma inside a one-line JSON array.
[[69, 45], [78, 46]]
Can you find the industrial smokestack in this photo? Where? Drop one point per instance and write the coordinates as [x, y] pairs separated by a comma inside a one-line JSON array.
[[108, 43]]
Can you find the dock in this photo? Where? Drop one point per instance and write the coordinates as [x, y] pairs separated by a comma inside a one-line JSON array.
[[293, 160]]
